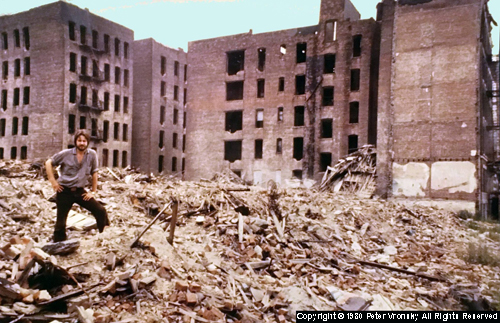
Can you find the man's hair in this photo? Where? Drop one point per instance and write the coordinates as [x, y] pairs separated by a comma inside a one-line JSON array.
[[82, 132]]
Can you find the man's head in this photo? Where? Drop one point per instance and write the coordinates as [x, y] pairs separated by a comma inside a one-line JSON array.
[[82, 140]]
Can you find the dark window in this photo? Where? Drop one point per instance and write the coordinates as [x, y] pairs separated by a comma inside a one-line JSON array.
[[15, 125], [95, 69], [258, 148], [95, 98], [260, 88], [125, 49], [325, 160], [26, 34], [117, 103], [174, 140], [5, 70], [279, 146], [125, 77], [297, 173], [27, 66], [72, 62], [83, 95], [83, 123], [115, 158], [184, 98], [234, 121], [184, 120], [105, 157], [232, 150], [234, 90], [329, 64], [298, 148], [353, 112], [328, 96], [185, 72], [106, 72], [17, 68], [262, 59], [105, 131], [71, 123], [330, 31], [106, 101], [300, 84], [2, 127], [117, 75], [125, 104], [162, 114], [175, 118], [4, 100], [353, 143], [160, 164], [5, 41], [281, 85], [17, 38], [174, 164], [161, 139], [176, 68], [326, 128], [1, 153], [93, 127], [106, 43], [71, 26], [26, 96], [83, 35], [116, 131], [356, 45], [183, 165], [72, 93], [280, 114], [235, 62], [299, 116], [163, 69], [95, 38], [13, 152], [24, 129], [259, 118], [17, 95], [355, 74], [183, 143], [125, 132], [83, 62], [117, 47], [163, 89], [176, 93], [301, 52], [124, 159]]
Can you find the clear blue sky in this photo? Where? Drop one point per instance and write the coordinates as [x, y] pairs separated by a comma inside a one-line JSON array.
[[175, 22]]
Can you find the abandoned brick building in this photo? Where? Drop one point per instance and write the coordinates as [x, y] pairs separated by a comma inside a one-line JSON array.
[[159, 118], [64, 69]]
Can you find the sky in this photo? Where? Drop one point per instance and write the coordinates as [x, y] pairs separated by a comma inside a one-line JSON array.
[[176, 22]]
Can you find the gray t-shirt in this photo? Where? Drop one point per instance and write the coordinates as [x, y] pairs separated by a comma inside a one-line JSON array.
[[74, 174]]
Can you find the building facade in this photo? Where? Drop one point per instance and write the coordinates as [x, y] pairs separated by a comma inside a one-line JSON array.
[[159, 119], [64, 69]]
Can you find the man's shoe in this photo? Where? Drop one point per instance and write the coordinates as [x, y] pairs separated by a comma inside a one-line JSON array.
[[59, 236]]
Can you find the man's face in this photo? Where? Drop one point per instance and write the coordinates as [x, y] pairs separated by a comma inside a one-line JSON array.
[[81, 143]]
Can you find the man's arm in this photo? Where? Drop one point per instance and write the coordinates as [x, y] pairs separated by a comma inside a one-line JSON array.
[[89, 195], [50, 175]]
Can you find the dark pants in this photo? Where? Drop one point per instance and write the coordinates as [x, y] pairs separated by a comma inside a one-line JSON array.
[[65, 200]]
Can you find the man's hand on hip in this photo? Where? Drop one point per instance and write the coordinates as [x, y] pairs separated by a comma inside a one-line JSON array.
[[88, 196], [58, 188]]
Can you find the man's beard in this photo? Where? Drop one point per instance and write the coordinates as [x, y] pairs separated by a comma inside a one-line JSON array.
[[80, 149]]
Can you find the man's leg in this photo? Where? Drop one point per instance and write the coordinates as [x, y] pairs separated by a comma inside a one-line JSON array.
[[97, 210], [64, 201]]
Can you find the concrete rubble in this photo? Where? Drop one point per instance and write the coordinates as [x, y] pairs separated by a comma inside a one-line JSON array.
[[240, 253]]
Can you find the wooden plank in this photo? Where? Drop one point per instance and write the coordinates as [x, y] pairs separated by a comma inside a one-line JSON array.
[[173, 222]]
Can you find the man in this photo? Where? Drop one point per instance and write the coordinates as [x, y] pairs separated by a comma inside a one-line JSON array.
[[77, 165]]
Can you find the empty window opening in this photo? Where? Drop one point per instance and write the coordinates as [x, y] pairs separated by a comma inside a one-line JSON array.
[[4, 100], [328, 96], [17, 95], [106, 72], [17, 68], [260, 88], [184, 120], [176, 93], [176, 68], [356, 45], [326, 128], [105, 157], [283, 49], [71, 123], [353, 112], [330, 31], [234, 121], [15, 126], [262, 59], [95, 38], [116, 131], [83, 65], [106, 101], [117, 47], [115, 158], [95, 69], [183, 143], [279, 146], [5, 70], [183, 167], [301, 52], [325, 160], [105, 131], [281, 85], [300, 84], [280, 114], [72, 93], [5, 41], [2, 127], [17, 38], [24, 152], [93, 128], [184, 98], [163, 68], [163, 88], [297, 173], [83, 35], [352, 143], [124, 159], [232, 150], [117, 75], [26, 34], [234, 91], [27, 66], [185, 72], [329, 64], [95, 98], [106, 43], [83, 95], [13, 152], [72, 62], [174, 140], [258, 148], [298, 148], [125, 132], [355, 74], [1, 153], [175, 118], [160, 163], [125, 77], [259, 118], [162, 114], [125, 49], [161, 139], [235, 62], [125, 104], [71, 29], [299, 116], [83, 123], [174, 164], [117, 103]]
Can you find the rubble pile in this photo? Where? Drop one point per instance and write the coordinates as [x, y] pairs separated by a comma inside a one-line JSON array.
[[240, 253]]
